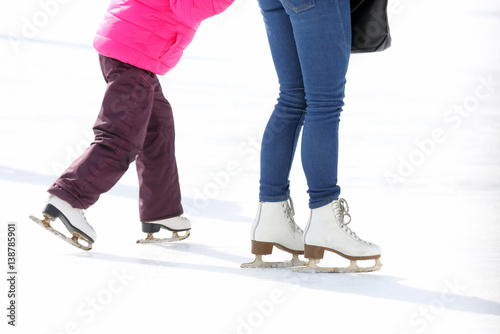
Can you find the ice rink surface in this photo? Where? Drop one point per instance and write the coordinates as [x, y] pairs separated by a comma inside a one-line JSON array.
[[419, 167]]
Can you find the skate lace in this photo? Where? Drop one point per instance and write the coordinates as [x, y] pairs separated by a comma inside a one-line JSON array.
[[341, 210], [289, 214]]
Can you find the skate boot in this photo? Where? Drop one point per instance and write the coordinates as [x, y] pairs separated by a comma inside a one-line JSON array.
[[174, 225], [73, 219], [327, 230], [274, 226]]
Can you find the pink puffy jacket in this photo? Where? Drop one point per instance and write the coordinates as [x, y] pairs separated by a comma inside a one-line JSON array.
[[152, 34]]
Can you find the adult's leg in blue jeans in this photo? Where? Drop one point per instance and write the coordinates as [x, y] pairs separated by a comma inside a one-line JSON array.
[[320, 31], [283, 129]]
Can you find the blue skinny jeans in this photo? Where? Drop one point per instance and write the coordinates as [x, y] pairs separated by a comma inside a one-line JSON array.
[[310, 42]]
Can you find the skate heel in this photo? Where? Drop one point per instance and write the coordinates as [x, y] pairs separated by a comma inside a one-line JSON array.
[[150, 227], [314, 252], [261, 248], [51, 212]]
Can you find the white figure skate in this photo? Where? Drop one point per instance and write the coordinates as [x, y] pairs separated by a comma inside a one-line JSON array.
[[275, 226], [73, 219], [328, 230], [174, 224]]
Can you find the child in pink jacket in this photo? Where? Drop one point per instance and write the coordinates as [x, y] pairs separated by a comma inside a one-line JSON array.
[[137, 40]]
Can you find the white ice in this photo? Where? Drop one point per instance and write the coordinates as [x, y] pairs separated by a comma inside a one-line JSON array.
[[419, 167]]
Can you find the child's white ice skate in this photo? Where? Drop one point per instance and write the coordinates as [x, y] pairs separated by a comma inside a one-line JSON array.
[[274, 226], [73, 219], [328, 230], [174, 224]]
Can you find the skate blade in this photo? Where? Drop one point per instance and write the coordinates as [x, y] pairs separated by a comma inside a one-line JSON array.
[[312, 267], [150, 239], [258, 263], [74, 240]]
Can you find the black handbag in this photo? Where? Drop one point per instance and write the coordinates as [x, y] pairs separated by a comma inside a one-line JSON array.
[[370, 26]]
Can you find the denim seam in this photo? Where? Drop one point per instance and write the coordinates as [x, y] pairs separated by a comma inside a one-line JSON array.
[[301, 9], [347, 50], [325, 202], [298, 128], [290, 160], [274, 198]]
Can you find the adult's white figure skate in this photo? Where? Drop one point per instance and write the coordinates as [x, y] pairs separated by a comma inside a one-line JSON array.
[[327, 230], [274, 226], [73, 219], [174, 225]]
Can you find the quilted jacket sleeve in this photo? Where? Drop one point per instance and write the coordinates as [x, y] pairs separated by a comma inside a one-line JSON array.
[[196, 11]]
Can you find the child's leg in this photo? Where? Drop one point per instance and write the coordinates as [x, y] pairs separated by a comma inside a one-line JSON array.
[[159, 193], [120, 131]]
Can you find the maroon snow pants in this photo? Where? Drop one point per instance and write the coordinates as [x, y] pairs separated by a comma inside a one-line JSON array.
[[135, 123]]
